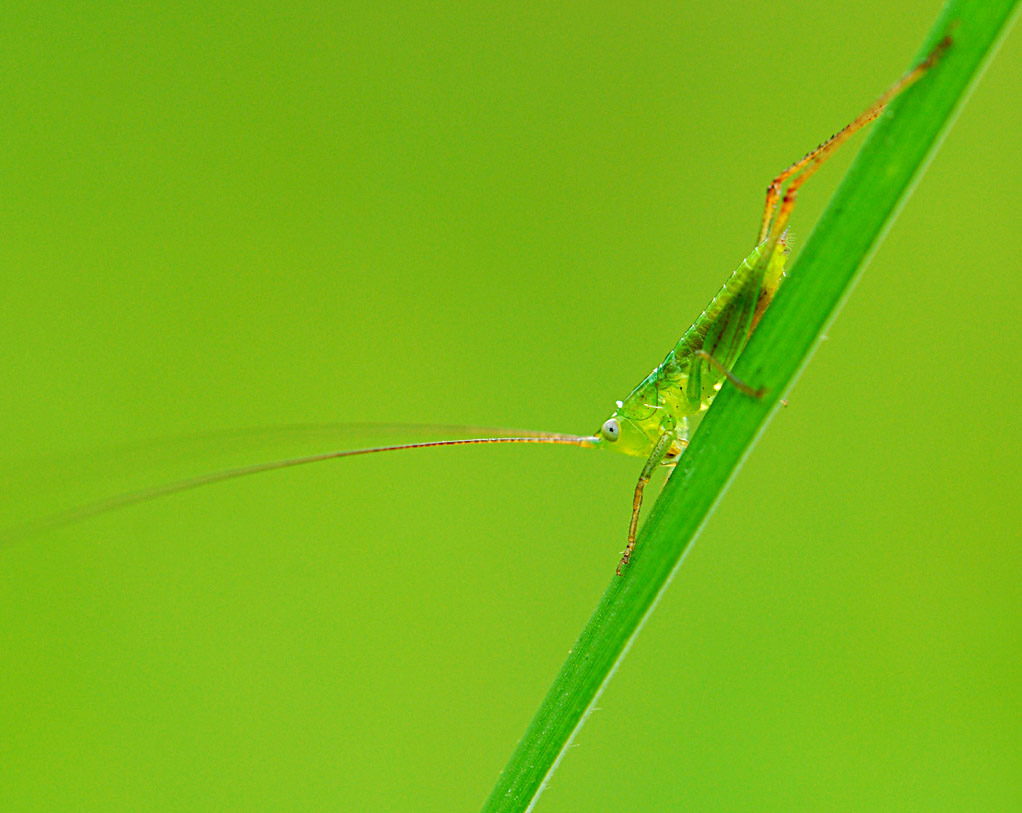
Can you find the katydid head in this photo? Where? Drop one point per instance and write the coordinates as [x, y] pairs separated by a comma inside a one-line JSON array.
[[622, 434]]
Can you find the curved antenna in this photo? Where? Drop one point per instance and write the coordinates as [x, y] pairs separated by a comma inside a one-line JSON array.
[[105, 505]]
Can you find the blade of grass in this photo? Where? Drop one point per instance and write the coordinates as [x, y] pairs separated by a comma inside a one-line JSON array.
[[835, 253]]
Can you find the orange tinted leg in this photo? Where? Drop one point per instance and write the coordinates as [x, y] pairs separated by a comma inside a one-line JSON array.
[[811, 161]]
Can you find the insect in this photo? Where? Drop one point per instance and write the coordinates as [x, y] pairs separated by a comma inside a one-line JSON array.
[[655, 420]]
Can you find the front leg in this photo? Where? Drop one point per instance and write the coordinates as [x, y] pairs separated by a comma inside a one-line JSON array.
[[663, 446]]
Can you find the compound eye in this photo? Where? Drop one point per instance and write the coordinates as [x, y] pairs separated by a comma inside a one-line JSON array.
[[611, 429]]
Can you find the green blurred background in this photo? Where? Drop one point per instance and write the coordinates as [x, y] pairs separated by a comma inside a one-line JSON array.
[[216, 218]]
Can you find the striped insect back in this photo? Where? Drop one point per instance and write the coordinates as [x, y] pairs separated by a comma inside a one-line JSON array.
[[723, 329]]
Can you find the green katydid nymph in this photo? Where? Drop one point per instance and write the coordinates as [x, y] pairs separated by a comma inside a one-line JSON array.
[[655, 420]]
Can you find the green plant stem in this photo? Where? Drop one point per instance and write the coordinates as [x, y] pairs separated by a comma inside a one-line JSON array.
[[839, 247]]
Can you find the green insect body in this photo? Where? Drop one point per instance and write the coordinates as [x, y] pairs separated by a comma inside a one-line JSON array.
[[673, 397], [656, 418]]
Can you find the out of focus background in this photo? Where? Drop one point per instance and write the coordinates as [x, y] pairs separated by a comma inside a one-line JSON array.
[[214, 219]]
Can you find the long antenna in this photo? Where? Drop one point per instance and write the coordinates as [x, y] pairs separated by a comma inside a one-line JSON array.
[[108, 504]]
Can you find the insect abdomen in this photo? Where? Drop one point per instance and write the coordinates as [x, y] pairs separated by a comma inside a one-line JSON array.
[[722, 330]]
